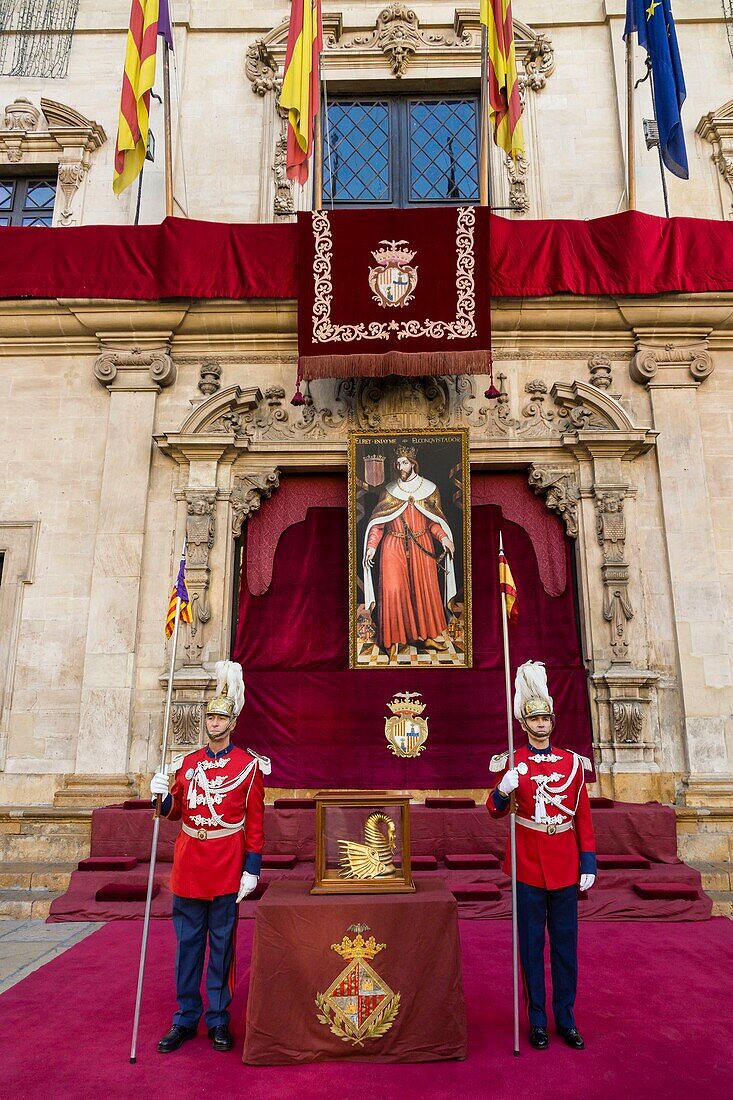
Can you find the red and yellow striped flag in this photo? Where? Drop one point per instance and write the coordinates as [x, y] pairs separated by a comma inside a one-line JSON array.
[[301, 92], [508, 588], [504, 105], [137, 80], [180, 592]]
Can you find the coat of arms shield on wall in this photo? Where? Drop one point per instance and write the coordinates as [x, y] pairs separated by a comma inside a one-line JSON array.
[[409, 549]]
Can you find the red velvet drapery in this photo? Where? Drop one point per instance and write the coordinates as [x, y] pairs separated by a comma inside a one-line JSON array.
[[323, 724], [628, 253]]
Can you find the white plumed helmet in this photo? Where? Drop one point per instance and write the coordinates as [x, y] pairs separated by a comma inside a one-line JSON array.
[[229, 698], [531, 697]]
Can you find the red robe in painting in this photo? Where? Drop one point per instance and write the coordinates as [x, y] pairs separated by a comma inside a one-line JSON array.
[[410, 529]]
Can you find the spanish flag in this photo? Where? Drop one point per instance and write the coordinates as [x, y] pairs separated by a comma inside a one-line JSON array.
[[301, 92], [508, 589], [137, 80], [179, 592], [504, 105]]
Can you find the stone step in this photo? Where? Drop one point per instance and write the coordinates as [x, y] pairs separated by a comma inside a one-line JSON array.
[[715, 875], [722, 903], [35, 876], [20, 904]]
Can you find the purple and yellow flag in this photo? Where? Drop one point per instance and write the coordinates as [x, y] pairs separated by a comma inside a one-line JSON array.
[[179, 592], [505, 107]]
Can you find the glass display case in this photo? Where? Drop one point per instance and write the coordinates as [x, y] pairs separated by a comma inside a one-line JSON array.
[[362, 843]]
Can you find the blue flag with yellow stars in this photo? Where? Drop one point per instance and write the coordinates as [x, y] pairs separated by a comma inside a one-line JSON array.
[[654, 24]]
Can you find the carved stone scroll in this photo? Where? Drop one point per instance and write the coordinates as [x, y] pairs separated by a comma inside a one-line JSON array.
[[628, 723], [136, 369], [248, 493], [187, 724], [674, 358], [560, 487]]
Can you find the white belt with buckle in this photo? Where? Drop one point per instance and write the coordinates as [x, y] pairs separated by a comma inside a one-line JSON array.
[[544, 826], [209, 834]]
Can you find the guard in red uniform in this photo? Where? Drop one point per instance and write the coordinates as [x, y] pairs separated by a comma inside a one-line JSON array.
[[555, 854], [218, 794]]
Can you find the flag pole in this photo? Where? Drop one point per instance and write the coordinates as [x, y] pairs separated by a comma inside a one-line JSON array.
[[156, 829], [512, 811], [318, 150], [630, 137], [483, 174], [168, 141]]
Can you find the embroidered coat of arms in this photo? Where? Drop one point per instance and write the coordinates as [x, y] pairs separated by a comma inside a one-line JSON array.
[[358, 1005], [393, 280]]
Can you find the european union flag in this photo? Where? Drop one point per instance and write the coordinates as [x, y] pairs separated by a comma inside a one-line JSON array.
[[654, 24]]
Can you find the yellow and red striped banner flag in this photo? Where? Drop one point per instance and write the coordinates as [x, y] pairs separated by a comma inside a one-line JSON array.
[[504, 104], [301, 92], [508, 588], [179, 592], [137, 80]]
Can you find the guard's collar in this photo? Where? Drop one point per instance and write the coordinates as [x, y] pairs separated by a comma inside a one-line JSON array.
[[221, 752], [542, 752]]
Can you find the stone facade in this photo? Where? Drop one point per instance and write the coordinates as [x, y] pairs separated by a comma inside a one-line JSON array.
[[125, 427]]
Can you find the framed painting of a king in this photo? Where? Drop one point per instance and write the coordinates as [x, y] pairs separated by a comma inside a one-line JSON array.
[[409, 549]]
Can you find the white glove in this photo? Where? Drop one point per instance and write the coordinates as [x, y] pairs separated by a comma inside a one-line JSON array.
[[159, 784], [247, 884], [586, 881], [509, 782]]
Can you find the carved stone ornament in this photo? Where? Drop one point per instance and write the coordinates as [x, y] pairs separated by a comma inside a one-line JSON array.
[[611, 532], [599, 367], [717, 128], [628, 722], [284, 202], [210, 376], [136, 369], [248, 492], [398, 35], [516, 171], [559, 486], [200, 534], [21, 115], [646, 364], [536, 417], [260, 68], [187, 723], [70, 179]]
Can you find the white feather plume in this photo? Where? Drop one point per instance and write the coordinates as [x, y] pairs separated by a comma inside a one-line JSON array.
[[229, 682], [530, 683]]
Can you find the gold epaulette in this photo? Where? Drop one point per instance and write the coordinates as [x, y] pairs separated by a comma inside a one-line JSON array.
[[498, 762], [584, 760]]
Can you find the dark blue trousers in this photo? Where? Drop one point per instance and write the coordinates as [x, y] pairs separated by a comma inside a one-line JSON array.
[[194, 920], [557, 911]]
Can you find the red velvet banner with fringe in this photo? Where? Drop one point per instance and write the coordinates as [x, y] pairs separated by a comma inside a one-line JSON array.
[[393, 292]]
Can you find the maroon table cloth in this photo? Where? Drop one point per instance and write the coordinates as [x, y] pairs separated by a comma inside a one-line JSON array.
[[293, 963]]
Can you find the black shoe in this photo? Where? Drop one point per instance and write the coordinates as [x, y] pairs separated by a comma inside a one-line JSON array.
[[571, 1037], [538, 1038], [175, 1038], [221, 1037]]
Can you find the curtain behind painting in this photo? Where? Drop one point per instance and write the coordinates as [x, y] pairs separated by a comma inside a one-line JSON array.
[[323, 724]]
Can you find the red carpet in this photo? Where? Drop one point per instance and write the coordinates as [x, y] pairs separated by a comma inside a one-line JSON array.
[[653, 1008]]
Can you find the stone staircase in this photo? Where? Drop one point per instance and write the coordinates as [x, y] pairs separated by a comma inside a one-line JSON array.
[[39, 848]]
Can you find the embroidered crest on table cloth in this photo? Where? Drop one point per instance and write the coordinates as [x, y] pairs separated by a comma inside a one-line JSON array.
[[358, 1005], [383, 282]]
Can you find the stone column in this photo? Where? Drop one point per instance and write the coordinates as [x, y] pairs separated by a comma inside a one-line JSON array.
[[133, 379], [672, 372]]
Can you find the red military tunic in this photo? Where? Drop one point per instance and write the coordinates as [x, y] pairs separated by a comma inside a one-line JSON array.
[[212, 793], [551, 793]]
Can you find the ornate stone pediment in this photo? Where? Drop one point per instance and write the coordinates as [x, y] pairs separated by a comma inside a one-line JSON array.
[[57, 133], [717, 128]]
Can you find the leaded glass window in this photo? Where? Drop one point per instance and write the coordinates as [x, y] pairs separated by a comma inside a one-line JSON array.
[[27, 201], [403, 151], [35, 37]]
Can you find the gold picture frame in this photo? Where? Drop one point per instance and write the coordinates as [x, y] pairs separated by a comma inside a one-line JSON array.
[[406, 510]]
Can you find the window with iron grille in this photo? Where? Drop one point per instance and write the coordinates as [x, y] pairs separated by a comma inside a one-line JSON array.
[[36, 36], [406, 151], [27, 200]]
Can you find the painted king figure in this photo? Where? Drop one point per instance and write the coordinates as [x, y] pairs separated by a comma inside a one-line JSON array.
[[555, 854], [218, 795], [414, 540]]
